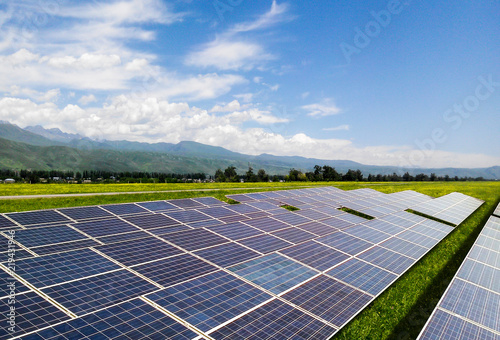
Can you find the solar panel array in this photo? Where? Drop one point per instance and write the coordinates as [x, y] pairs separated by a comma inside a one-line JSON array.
[[203, 269], [497, 211], [453, 208], [470, 307]]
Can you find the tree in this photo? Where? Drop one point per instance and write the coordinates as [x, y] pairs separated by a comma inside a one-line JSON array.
[[330, 174], [219, 176], [250, 176], [231, 175], [262, 176]]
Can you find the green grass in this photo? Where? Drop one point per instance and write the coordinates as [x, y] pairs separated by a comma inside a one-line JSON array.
[[398, 313]]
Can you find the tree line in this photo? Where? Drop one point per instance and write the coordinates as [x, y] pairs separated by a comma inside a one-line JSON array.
[[328, 173]]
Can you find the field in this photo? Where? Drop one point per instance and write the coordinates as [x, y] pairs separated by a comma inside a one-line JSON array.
[[399, 313]]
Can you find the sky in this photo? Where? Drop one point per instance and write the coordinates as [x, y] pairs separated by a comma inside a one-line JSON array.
[[404, 83]]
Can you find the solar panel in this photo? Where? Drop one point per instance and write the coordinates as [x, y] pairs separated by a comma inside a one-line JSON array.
[[133, 319], [85, 213], [5, 223], [59, 268], [363, 276], [469, 309], [328, 299], [37, 217], [227, 254], [210, 300], [273, 272], [315, 255], [90, 294], [275, 320], [139, 251], [172, 270], [124, 209], [194, 239], [227, 269], [32, 312], [497, 211], [9, 285]]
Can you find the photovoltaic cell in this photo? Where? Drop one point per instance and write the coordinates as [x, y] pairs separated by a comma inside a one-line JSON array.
[[47, 235], [273, 272], [227, 254], [124, 209], [387, 259], [9, 285], [419, 239], [218, 212], [37, 217], [32, 313], [5, 223], [194, 239], [139, 251], [329, 299], [151, 221], [345, 243], [315, 255], [385, 227], [317, 228], [187, 203], [404, 247], [168, 230], [89, 294], [443, 325], [59, 268], [265, 243], [158, 206], [274, 320], [363, 276], [209, 201], [85, 213], [123, 237], [210, 300], [267, 224], [337, 223], [292, 219], [480, 274], [60, 247], [133, 319], [187, 216], [367, 233], [485, 255], [235, 231], [172, 270], [294, 235], [105, 227], [242, 208]]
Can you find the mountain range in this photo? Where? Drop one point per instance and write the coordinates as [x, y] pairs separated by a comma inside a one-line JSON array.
[[35, 147]]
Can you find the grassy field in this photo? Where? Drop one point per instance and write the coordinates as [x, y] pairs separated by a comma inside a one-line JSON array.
[[399, 313]]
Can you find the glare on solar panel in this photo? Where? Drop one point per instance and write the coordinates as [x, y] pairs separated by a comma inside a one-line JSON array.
[[315, 255]]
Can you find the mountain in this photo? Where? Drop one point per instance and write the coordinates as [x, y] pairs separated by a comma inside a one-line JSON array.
[[47, 149]]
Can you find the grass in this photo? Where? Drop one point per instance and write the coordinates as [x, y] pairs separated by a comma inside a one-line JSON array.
[[398, 313]]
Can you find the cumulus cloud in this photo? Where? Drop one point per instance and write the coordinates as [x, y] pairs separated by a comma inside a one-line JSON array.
[[155, 120], [85, 100]]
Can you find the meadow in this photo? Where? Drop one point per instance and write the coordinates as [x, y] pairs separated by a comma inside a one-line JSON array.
[[398, 313]]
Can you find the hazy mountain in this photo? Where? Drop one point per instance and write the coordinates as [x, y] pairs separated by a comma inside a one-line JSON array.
[[54, 149]]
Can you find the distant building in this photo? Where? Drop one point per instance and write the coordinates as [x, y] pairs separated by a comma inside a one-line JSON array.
[[10, 180]]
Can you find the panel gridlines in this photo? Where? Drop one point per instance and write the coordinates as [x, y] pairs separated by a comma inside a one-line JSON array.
[[470, 307], [182, 245]]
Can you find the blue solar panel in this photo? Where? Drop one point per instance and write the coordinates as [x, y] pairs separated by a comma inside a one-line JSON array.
[[139, 251], [317, 228], [133, 319], [273, 272], [227, 254], [336, 222], [242, 208], [151, 221], [294, 235], [419, 239], [105, 227], [387, 259], [47, 235], [367, 233], [37, 217], [203, 224], [5, 223], [363, 276], [346, 243], [194, 239], [210, 201], [292, 219], [124, 209], [404, 247], [485, 255], [172, 270], [480, 274], [312, 214], [234, 218], [218, 212], [123, 237], [89, 294], [258, 214], [262, 205], [10, 286], [168, 230], [60, 247], [211, 300], [442, 325], [85, 213], [186, 203], [315, 255], [383, 226], [32, 312], [329, 299], [265, 243], [235, 231], [275, 320], [267, 224], [187, 216], [58, 268], [158, 206]]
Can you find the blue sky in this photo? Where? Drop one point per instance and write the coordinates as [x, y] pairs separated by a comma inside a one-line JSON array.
[[405, 83]]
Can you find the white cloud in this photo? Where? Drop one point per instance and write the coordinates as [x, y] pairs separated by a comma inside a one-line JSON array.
[[48, 96], [273, 88], [85, 100], [229, 55], [305, 95], [277, 14], [154, 120], [86, 61], [327, 108], [344, 127], [230, 107], [244, 97]]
